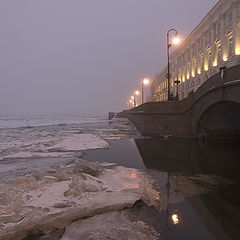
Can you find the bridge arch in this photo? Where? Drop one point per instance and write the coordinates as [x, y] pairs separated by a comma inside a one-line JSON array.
[[208, 106], [223, 116]]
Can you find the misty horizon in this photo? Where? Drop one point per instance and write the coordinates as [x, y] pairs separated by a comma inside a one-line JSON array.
[[84, 57]]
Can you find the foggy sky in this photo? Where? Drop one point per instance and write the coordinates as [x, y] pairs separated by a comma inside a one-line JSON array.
[[84, 56]]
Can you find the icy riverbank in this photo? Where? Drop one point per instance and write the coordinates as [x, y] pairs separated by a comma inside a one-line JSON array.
[[52, 200]]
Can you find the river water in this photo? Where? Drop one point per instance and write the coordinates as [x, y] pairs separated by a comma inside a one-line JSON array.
[[198, 183]]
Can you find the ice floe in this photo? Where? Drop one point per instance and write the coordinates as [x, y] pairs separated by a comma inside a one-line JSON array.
[[46, 201], [19, 155], [112, 225], [20, 122], [80, 142], [55, 146], [57, 140]]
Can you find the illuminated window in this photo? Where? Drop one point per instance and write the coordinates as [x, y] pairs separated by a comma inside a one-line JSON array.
[[179, 73], [230, 46], [229, 36], [207, 58], [201, 63], [194, 66], [217, 55], [218, 52], [209, 55]]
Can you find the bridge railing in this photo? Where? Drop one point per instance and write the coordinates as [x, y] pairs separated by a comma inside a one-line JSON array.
[[229, 74], [164, 107]]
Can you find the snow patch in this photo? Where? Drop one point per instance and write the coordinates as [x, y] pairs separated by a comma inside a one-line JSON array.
[[80, 142]]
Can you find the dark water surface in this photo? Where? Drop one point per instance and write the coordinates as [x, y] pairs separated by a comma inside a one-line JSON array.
[[199, 183], [123, 152]]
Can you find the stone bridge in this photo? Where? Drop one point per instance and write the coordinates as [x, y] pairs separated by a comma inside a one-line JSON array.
[[213, 110]]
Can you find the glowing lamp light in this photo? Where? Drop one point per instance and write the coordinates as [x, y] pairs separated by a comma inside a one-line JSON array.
[[206, 67], [215, 63], [193, 74], [225, 58], [175, 219], [145, 81], [237, 51], [137, 92], [176, 40], [199, 72]]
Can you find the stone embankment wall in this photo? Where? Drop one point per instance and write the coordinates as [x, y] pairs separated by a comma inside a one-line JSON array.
[[194, 115], [161, 118]]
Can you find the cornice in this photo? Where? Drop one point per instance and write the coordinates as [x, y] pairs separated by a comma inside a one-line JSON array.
[[218, 9]]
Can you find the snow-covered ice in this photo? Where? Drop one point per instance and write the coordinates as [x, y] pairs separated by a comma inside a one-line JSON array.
[[80, 142], [57, 140], [27, 149], [52, 200], [45, 185], [49, 147], [20, 122], [111, 225]]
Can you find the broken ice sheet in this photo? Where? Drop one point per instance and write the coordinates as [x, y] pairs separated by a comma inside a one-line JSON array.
[[50, 201], [112, 225], [80, 142], [54, 146]]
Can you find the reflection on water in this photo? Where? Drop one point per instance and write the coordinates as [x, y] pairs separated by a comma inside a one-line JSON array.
[[199, 186], [175, 218]]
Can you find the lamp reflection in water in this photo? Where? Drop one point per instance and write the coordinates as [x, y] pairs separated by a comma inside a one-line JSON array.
[[175, 219], [133, 175], [172, 216]]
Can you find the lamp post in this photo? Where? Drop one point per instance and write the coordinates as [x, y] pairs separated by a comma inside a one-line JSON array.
[[175, 41], [129, 103], [136, 93], [133, 101], [177, 82], [145, 81]]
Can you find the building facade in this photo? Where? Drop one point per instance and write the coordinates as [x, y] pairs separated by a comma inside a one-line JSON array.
[[214, 43]]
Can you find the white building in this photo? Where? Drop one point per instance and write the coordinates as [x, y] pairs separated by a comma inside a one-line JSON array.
[[214, 43]]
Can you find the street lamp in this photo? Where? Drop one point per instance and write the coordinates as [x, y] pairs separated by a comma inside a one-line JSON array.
[[130, 103], [176, 40], [177, 82], [133, 100], [136, 93], [145, 81]]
